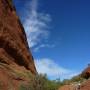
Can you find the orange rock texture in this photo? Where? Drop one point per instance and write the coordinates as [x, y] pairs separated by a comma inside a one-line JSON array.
[[15, 55]]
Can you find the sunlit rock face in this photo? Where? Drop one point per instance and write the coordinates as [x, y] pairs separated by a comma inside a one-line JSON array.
[[14, 50]]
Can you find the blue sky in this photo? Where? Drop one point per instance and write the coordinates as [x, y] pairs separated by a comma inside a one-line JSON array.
[[58, 33]]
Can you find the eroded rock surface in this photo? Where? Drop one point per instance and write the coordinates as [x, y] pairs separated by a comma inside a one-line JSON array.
[[13, 42], [14, 50]]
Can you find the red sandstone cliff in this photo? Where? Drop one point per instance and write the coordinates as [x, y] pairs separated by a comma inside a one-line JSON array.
[[84, 85], [14, 51], [86, 72]]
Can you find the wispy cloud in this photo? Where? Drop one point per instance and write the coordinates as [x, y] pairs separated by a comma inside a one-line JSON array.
[[36, 24], [43, 46], [53, 70]]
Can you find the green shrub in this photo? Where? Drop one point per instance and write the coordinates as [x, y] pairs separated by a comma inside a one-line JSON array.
[[24, 87], [77, 79], [86, 75], [38, 83], [41, 82], [66, 82]]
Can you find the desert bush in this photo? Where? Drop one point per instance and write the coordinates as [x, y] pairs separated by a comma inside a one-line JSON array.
[[38, 83], [24, 87], [41, 82], [77, 79], [65, 82], [86, 75]]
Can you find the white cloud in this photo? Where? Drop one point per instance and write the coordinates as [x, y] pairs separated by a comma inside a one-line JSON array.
[[53, 70], [43, 46], [36, 24]]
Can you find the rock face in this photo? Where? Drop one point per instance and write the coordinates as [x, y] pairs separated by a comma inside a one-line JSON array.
[[86, 73], [14, 50], [13, 43], [85, 85]]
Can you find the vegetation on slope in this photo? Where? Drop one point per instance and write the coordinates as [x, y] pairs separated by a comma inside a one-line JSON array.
[[41, 82]]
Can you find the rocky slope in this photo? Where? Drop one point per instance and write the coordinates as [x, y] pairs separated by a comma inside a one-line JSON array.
[[86, 72], [83, 84], [15, 57]]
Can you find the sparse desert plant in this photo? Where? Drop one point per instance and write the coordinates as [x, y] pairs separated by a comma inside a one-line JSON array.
[[38, 83], [86, 75], [24, 87], [41, 82], [77, 78], [66, 82]]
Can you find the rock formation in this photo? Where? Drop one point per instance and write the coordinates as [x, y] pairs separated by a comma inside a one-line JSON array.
[[82, 84], [14, 50], [86, 73], [85, 85]]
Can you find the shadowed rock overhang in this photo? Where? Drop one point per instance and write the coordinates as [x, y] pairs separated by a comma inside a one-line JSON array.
[[13, 43]]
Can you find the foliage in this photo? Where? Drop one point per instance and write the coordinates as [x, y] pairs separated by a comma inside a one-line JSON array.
[[77, 79], [41, 82], [86, 75], [65, 82], [23, 87]]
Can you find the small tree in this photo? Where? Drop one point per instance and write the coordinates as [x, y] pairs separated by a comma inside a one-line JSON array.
[[41, 82], [38, 83]]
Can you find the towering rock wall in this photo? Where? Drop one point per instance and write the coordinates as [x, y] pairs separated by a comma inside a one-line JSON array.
[[13, 43], [16, 61]]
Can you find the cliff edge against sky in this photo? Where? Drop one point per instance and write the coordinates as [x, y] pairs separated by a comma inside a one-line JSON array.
[[15, 56]]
